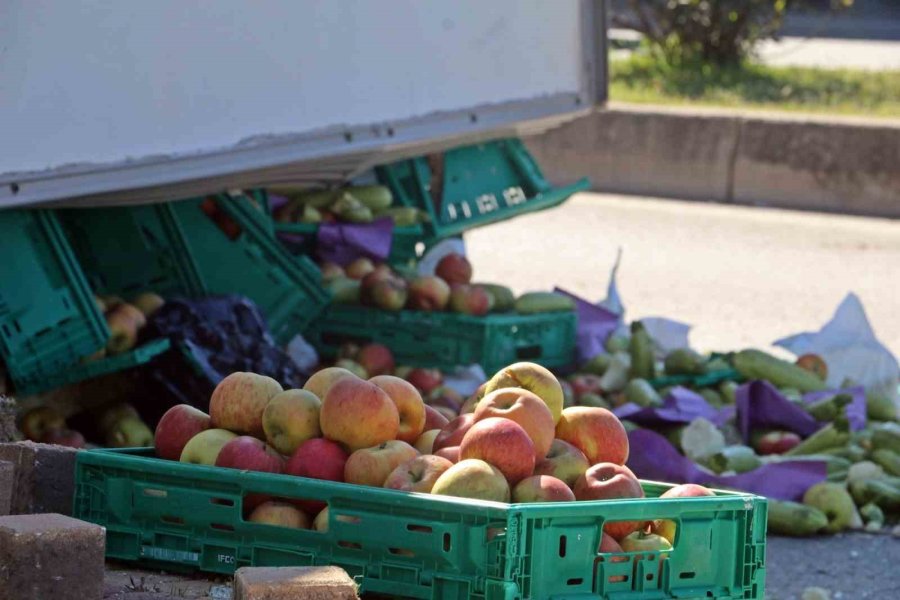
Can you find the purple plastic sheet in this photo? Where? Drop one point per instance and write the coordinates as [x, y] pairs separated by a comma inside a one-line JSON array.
[[595, 324], [652, 457], [342, 243], [276, 202], [856, 410], [680, 405]]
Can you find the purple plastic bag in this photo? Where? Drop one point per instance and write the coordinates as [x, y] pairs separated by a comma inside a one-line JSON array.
[[856, 410], [342, 243], [652, 457], [760, 405], [680, 405], [595, 324]]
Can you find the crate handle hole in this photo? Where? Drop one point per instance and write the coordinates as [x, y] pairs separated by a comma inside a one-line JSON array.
[[348, 519], [419, 528], [446, 542], [687, 575], [649, 576], [221, 526], [493, 532], [154, 493], [350, 545], [574, 581], [401, 552], [618, 578], [528, 352], [222, 501], [562, 546], [172, 520]]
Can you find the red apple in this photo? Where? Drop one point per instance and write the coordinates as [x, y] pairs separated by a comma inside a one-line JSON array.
[[376, 275], [371, 466], [425, 380], [776, 442], [585, 383], [390, 294], [542, 488], [250, 454], [451, 453], [434, 419], [64, 437], [175, 429], [608, 481], [501, 443], [453, 432], [666, 527], [359, 268], [814, 364], [238, 402], [595, 431], [426, 441], [454, 268], [358, 414], [418, 474], [428, 293], [469, 300], [376, 359], [525, 409], [564, 461], [317, 458], [608, 544], [409, 404]]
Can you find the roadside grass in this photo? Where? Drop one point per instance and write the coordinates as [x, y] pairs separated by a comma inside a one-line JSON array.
[[641, 78]]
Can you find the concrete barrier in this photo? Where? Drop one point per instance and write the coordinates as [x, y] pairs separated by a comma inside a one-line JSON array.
[[844, 165]]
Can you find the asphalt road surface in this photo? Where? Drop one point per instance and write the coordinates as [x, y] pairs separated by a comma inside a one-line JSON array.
[[742, 276]]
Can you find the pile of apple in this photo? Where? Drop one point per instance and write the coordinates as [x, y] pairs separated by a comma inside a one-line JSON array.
[[124, 320], [518, 444]]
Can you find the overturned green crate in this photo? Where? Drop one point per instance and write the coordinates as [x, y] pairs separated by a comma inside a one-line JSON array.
[[447, 340], [172, 515]]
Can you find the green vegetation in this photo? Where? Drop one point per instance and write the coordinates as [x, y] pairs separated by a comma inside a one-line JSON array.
[[644, 79]]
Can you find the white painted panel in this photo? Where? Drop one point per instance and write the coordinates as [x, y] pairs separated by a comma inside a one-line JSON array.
[[99, 81]]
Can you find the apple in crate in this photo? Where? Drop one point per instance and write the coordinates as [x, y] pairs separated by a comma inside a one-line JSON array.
[[204, 448], [608, 544], [454, 268], [390, 294], [359, 268], [666, 527], [564, 461], [502, 443], [250, 454], [444, 396], [542, 488], [64, 437], [641, 541], [321, 381], [608, 481], [532, 377], [123, 330], [408, 401], [148, 303], [332, 271], [475, 479], [371, 466], [428, 294], [595, 431], [525, 409], [376, 359], [358, 414], [176, 428], [425, 443], [317, 458], [282, 514], [469, 300], [453, 432], [433, 418], [290, 418], [418, 474], [238, 402], [425, 380], [451, 453]]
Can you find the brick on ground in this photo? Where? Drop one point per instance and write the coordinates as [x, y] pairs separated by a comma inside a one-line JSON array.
[[7, 477], [50, 557], [44, 479], [8, 430], [288, 583]]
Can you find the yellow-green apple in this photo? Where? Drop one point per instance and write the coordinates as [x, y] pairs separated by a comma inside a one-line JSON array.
[[542, 488], [320, 523], [358, 414], [564, 461], [148, 303], [389, 294], [425, 380], [132, 312], [418, 474], [641, 541], [434, 419], [409, 405], [37, 422], [317, 458], [290, 418], [331, 271], [376, 359], [371, 466], [608, 544], [608, 481], [454, 268], [594, 400], [445, 396], [352, 366], [319, 382], [282, 514], [535, 379], [469, 300], [123, 331], [595, 431], [130, 432], [426, 441], [204, 448], [64, 437], [238, 402], [524, 408], [348, 350], [501, 443], [110, 302], [373, 277], [665, 527], [176, 427], [775, 442], [428, 293], [359, 268], [453, 432], [585, 383], [451, 453], [475, 479]]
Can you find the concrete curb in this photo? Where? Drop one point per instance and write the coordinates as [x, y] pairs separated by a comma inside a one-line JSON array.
[[846, 165]]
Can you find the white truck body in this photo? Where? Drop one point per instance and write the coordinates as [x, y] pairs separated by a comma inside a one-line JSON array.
[[112, 102]]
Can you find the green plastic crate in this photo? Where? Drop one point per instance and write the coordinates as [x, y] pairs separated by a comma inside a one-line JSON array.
[[48, 318], [172, 515], [446, 340], [248, 260], [699, 381], [472, 186]]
